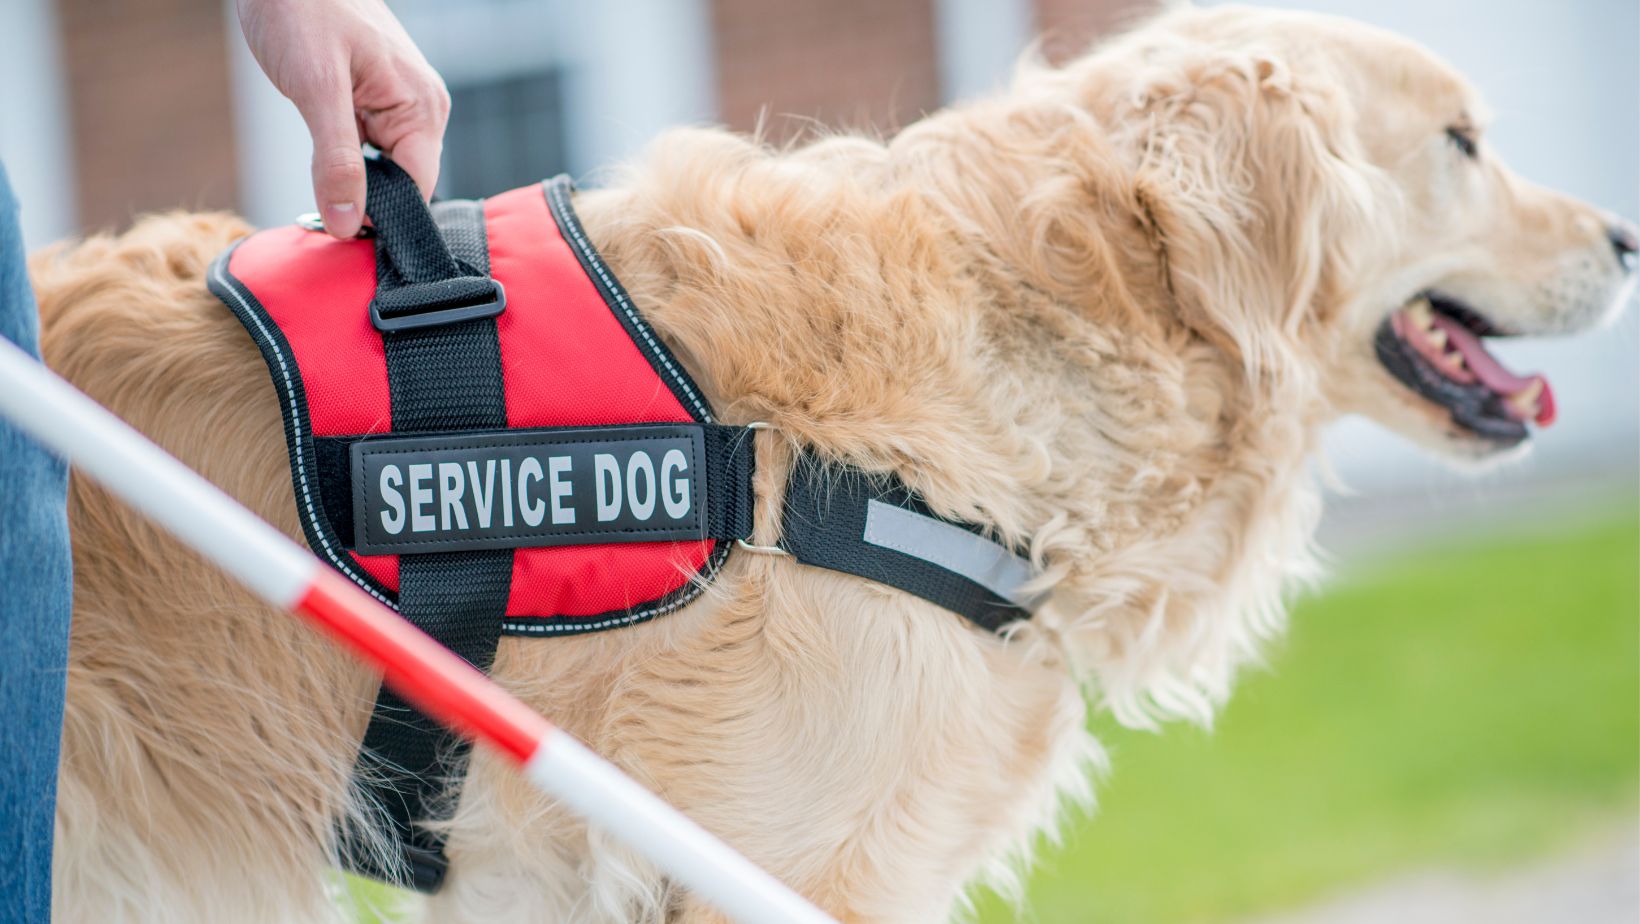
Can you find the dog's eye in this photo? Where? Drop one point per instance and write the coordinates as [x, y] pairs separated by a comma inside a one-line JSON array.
[[1465, 139]]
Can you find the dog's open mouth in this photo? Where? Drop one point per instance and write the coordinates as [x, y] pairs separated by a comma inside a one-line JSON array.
[[1433, 345]]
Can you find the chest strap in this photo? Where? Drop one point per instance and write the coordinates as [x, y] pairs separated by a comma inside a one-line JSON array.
[[435, 306]]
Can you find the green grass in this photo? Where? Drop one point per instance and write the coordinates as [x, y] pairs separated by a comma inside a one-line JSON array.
[[1472, 706], [365, 901]]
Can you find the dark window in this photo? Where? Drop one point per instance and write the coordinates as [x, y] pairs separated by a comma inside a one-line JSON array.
[[503, 133]]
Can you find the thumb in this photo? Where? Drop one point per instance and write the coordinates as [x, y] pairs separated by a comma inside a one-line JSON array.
[[338, 163], [418, 154]]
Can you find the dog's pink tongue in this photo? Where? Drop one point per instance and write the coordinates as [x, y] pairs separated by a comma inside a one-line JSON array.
[[1491, 372]]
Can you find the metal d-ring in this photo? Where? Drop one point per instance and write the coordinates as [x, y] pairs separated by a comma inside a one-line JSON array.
[[763, 549], [311, 221], [752, 547]]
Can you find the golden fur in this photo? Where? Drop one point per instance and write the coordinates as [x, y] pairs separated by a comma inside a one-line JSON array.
[[1104, 312]]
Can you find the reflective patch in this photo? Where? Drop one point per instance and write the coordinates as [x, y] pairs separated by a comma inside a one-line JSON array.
[[524, 488], [986, 563]]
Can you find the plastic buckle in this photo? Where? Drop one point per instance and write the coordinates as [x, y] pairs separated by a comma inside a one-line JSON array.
[[447, 314]]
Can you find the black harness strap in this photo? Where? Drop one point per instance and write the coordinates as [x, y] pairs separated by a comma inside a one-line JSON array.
[[436, 307]]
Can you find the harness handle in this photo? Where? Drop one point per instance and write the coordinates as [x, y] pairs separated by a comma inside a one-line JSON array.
[[420, 282]]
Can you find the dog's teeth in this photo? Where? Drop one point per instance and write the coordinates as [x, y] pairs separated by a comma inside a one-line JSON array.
[[1455, 360], [1421, 314], [1526, 400], [1437, 339]]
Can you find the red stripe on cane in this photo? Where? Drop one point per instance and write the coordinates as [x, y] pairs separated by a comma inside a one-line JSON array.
[[421, 670]]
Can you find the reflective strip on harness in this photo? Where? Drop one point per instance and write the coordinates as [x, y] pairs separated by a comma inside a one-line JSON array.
[[871, 525], [986, 563]]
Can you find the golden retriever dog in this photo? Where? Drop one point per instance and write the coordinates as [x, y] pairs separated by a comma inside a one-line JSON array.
[[1105, 313]]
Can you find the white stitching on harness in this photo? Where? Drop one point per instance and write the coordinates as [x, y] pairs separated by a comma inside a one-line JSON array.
[[232, 287], [556, 190]]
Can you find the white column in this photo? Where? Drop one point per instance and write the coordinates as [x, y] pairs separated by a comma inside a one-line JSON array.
[[34, 129], [979, 41], [633, 68], [272, 144]]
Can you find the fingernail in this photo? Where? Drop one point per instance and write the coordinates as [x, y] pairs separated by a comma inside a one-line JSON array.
[[340, 220]]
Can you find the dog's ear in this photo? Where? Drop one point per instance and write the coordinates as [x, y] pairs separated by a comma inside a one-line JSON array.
[[1253, 186]]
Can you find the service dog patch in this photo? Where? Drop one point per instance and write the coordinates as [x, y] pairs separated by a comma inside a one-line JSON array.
[[528, 488]]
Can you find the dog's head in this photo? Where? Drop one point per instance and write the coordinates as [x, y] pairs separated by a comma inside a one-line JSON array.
[[1326, 205], [1293, 217]]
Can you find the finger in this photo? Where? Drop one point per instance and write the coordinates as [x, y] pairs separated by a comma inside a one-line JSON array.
[[419, 154], [338, 163]]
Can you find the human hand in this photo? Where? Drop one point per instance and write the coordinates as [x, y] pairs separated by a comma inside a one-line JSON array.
[[355, 76]]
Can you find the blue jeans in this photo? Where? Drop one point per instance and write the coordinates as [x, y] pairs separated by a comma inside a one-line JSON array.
[[34, 607]]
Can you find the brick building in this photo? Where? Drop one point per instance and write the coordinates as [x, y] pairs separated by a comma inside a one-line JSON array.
[[108, 109]]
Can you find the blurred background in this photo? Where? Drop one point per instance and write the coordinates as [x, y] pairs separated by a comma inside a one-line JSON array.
[[1452, 730]]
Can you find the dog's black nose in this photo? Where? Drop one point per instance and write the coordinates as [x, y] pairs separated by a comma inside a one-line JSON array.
[[1626, 242]]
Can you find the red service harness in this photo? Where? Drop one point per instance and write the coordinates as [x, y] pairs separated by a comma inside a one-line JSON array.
[[568, 359]]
